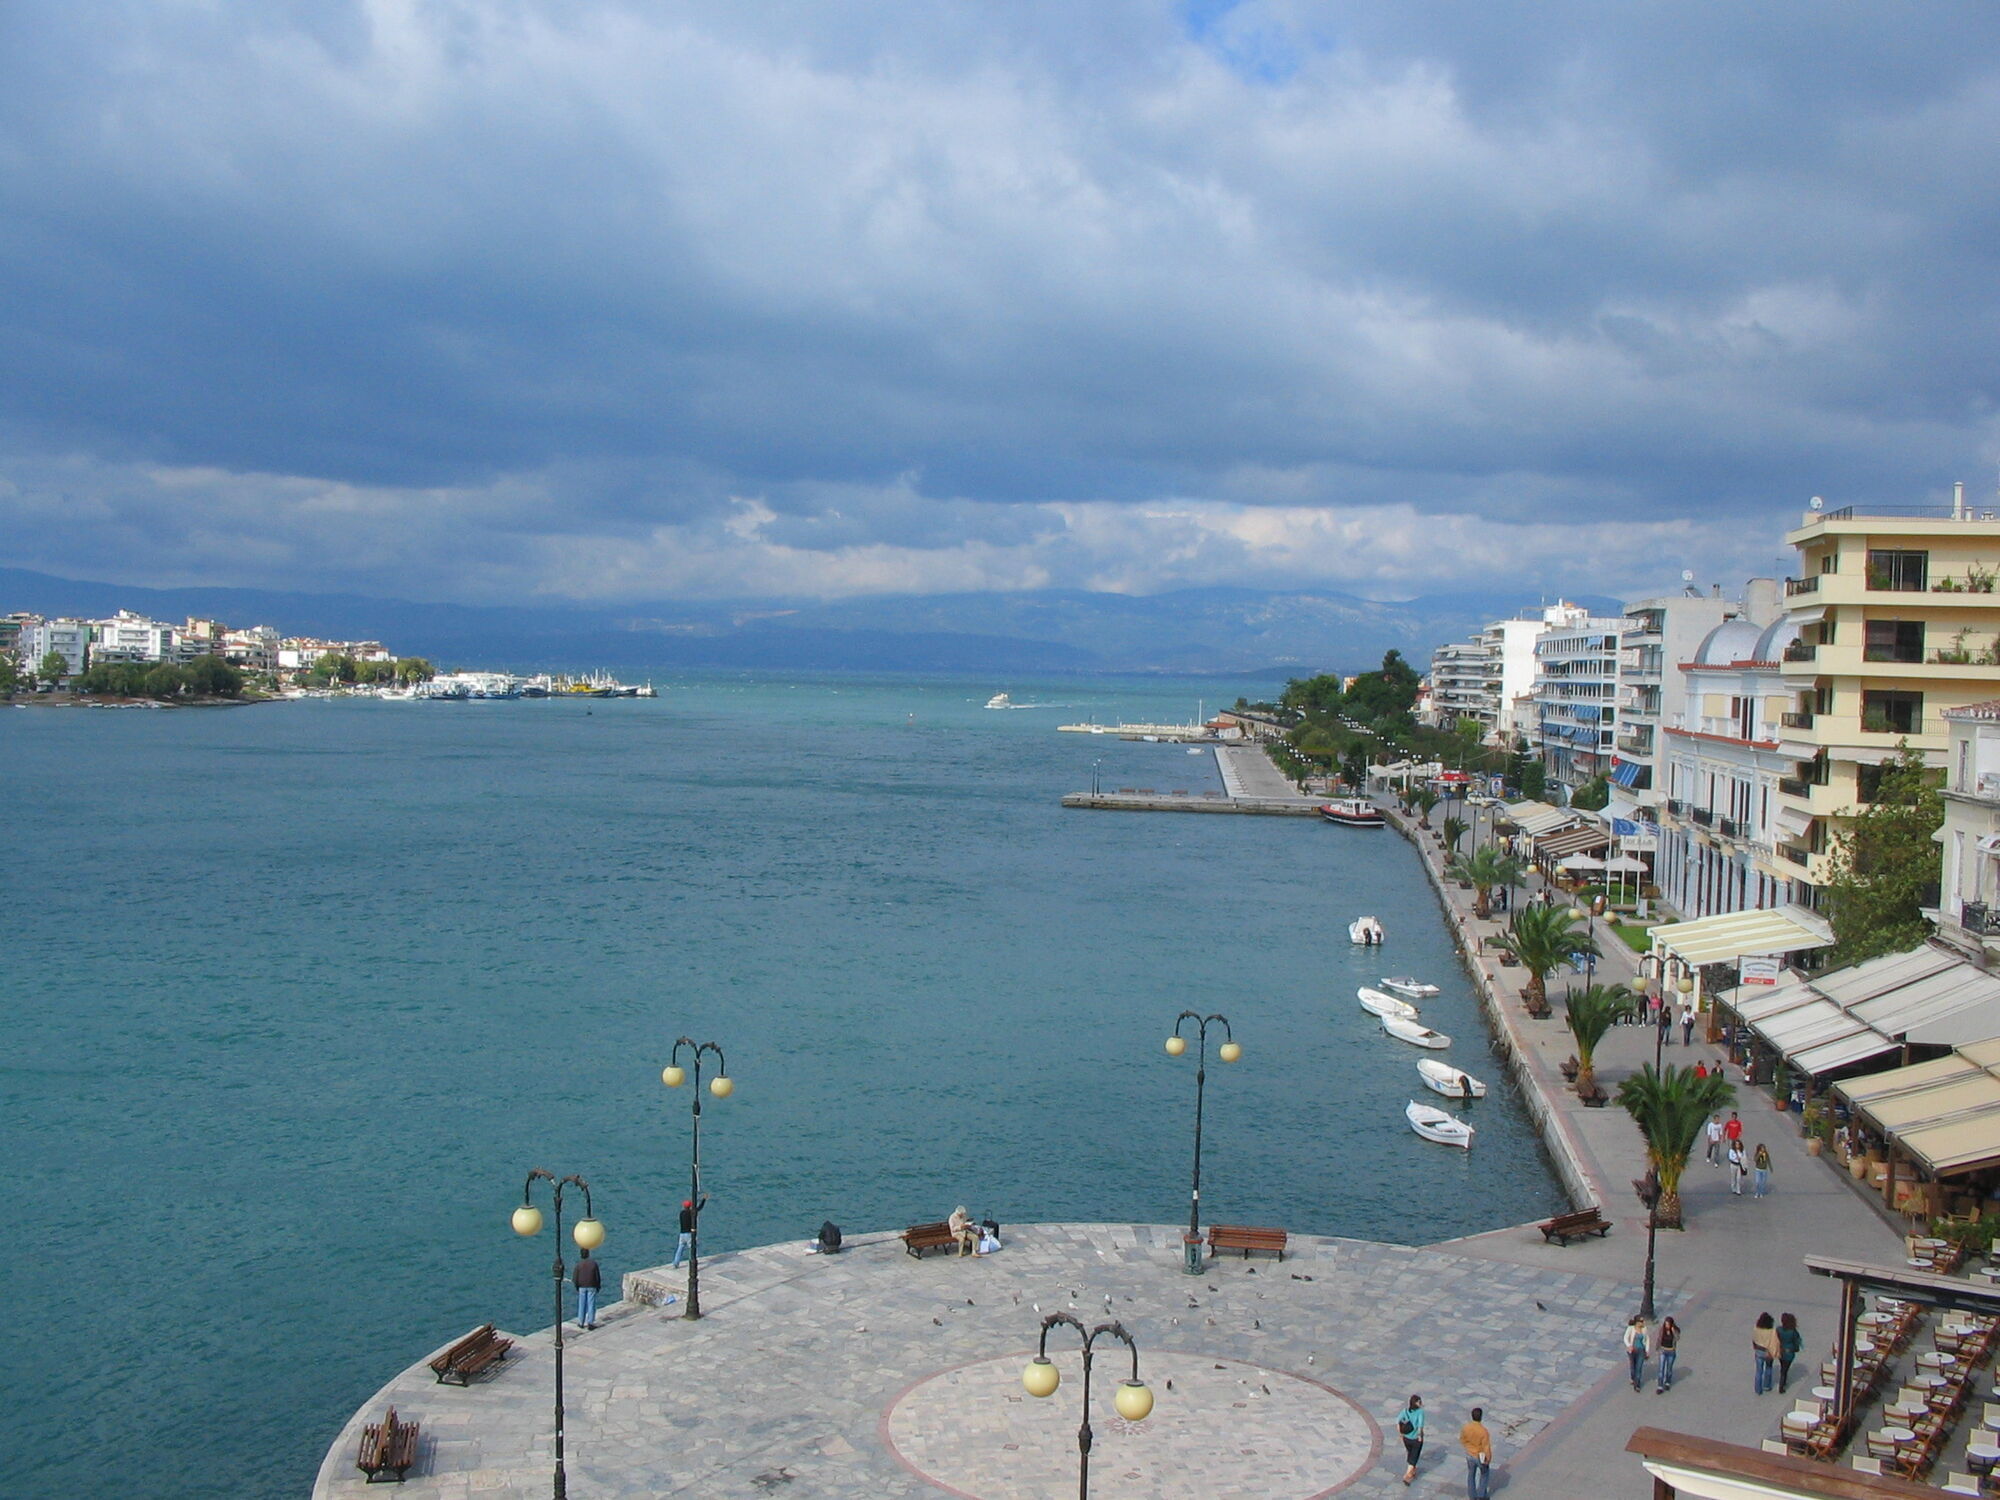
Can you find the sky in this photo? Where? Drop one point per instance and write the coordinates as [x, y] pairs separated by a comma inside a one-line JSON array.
[[587, 301]]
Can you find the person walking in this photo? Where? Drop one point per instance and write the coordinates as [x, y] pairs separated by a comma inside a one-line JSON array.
[[1761, 1163], [1790, 1342], [1410, 1428], [587, 1279], [1736, 1168], [1714, 1133], [1635, 1348], [1478, 1445], [1764, 1346], [1666, 1024], [689, 1208], [1670, 1346], [1687, 1024], [1733, 1131]]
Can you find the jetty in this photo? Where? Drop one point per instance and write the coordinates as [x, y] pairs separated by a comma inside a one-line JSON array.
[[1250, 784]]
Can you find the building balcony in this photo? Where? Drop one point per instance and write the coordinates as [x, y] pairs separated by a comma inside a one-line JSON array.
[[1801, 651], [1675, 807], [1795, 854], [1796, 586], [1792, 786], [1705, 817], [1796, 720], [1732, 828], [1977, 918]]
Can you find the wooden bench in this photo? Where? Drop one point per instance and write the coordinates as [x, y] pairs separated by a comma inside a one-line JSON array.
[[387, 1447], [1246, 1237], [1566, 1227], [921, 1237], [470, 1355]]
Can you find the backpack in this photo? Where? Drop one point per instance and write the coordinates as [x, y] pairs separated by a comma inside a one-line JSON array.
[[1404, 1425]]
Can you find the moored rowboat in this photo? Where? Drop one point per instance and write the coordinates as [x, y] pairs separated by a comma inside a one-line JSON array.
[[1435, 1125], [1453, 1083], [1378, 1004], [1408, 988], [1418, 1035]]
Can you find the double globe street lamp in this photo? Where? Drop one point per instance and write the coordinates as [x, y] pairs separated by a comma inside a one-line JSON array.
[[589, 1234], [1041, 1378], [673, 1076], [1229, 1051]]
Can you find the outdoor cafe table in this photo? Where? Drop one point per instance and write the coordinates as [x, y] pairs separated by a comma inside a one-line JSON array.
[[1937, 1359], [1981, 1456], [1824, 1393], [1899, 1435]]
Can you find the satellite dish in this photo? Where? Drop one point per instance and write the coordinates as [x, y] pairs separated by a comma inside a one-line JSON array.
[[1687, 575], [1817, 503]]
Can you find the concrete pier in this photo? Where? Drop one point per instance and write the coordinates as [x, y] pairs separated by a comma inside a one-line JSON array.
[[1250, 784]]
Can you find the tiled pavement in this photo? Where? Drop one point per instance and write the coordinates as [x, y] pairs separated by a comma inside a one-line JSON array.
[[875, 1374]]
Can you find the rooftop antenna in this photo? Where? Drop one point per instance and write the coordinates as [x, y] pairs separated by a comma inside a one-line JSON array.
[[1687, 584]]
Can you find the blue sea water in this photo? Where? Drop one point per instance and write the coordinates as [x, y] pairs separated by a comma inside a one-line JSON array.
[[296, 994]]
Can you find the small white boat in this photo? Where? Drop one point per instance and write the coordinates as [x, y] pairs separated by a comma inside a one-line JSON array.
[[1453, 1083], [1408, 988], [1378, 1004], [1354, 812], [1435, 1125], [1365, 931], [999, 700], [1403, 1029]]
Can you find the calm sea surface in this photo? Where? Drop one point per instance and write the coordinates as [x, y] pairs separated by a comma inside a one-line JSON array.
[[295, 995]]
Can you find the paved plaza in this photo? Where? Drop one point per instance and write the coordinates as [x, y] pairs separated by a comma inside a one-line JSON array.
[[870, 1373]]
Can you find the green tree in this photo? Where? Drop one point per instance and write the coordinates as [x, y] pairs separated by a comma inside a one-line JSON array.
[[10, 675], [1424, 799], [1885, 863], [213, 677], [1534, 781], [1320, 694], [1670, 1107], [1593, 796], [1592, 1012], [411, 669], [1454, 830], [1387, 693], [54, 667], [1485, 869], [1545, 938]]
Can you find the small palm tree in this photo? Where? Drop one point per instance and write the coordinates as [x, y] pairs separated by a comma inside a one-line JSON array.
[[1485, 869], [1544, 938], [1454, 830], [1424, 799], [1670, 1107], [1592, 1012]]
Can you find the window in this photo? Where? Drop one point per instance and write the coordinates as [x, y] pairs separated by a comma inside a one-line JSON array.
[[1894, 640], [1899, 572], [1892, 713]]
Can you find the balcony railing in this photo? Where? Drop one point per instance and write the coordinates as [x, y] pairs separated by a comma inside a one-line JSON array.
[[1791, 786], [1806, 585], [1702, 815], [1978, 918], [1895, 724], [1731, 828], [1795, 855], [1801, 651], [1796, 720], [1676, 808]]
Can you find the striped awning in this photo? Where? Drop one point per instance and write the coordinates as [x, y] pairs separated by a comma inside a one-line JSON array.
[[1568, 841]]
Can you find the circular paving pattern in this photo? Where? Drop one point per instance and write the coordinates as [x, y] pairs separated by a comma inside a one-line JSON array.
[[1219, 1427]]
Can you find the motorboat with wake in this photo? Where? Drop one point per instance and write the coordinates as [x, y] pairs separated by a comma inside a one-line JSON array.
[[1365, 931], [1354, 812], [1378, 1004], [999, 700], [1408, 988], [1403, 1029], [1434, 1124], [1453, 1083]]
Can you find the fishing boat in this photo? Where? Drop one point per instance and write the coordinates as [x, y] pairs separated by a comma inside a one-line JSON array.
[[1453, 1083], [1408, 988], [1353, 812], [1366, 931], [1403, 1029], [1435, 1125], [1378, 1004]]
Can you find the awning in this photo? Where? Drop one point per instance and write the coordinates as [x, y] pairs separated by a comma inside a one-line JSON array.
[[1534, 818], [1793, 823], [1626, 772], [1568, 841], [1926, 997], [1726, 938], [1581, 862], [1944, 1113]]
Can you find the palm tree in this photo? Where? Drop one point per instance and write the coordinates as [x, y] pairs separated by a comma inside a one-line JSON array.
[[1454, 830], [1544, 938], [1424, 800], [1592, 1012], [1485, 869], [1670, 1107]]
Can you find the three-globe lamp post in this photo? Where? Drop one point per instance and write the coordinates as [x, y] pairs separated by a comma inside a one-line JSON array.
[[1041, 1378], [1229, 1052], [673, 1076], [589, 1234]]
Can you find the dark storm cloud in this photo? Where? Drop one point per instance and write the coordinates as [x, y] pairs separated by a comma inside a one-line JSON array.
[[606, 298]]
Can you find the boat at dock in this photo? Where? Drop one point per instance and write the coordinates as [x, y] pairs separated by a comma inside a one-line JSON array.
[[1408, 988], [1366, 932], [1453, 1083], [1378, 1004], [1353, 812], [1403, 1029], [1434, 1124]]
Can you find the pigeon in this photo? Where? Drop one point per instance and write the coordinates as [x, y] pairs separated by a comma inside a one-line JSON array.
[[1267, 1390], [970, 1303], [1170, 1383], [1256, 1322], [1539, 1307], [1173, 1322], [937, 1322]]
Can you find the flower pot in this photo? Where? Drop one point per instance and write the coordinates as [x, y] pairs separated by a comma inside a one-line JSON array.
[[1814, 1145]]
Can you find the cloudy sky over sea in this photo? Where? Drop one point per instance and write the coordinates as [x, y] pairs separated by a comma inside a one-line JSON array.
[[572, 299]]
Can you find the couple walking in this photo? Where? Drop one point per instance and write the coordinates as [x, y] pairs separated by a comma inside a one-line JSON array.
[[1774, 1346], [1641, 1341], [1473, 1437]]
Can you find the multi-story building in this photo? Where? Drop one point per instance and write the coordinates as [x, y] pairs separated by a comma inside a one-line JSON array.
[[1660, 635], [1899, 624], [11, 627], [1575, 696], [130, 637], [69, 639], [298, 652], [1969, 885], [255, 648], [1458, 684]]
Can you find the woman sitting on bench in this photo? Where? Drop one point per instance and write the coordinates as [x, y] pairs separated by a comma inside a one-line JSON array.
[[963, 1230]]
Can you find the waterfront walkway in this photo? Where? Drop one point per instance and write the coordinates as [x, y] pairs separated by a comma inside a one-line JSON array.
[[875, 1374]]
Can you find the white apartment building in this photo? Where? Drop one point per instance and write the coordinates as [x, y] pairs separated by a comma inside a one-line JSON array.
[[1969, 886], [69, 639], [130, 637], [296, 652], [1510, 673], [1458, 684], [255, 648], [1575, 696]]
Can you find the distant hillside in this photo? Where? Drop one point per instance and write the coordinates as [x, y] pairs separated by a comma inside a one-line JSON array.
[[1274, 633]]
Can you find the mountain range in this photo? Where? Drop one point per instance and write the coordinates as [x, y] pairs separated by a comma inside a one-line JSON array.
[[1251, 632]]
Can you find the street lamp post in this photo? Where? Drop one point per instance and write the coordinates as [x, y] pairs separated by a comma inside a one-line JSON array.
[[1041, 1378], [1094, 776], [1229, 1051], [1652, 1198], [722, 1086], [589, 1234]]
